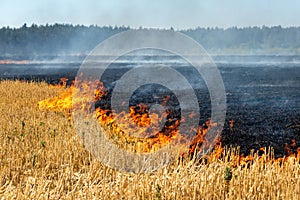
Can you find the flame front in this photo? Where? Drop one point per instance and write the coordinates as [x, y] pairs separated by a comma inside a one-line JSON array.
[[147, 136]]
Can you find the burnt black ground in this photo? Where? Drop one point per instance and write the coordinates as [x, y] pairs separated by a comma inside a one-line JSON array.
[[262, 99]]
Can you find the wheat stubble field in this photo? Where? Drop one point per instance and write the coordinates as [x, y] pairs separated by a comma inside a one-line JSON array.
[[41, 157]]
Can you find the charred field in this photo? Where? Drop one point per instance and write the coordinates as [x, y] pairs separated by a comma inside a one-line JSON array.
[[263, 99]]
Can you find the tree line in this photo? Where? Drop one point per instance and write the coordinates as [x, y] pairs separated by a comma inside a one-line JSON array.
[[78, 39]]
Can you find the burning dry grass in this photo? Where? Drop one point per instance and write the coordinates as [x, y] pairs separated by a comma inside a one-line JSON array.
[[41, 157]]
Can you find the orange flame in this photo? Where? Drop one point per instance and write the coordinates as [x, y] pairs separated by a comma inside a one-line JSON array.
[[18, 62], [137, 121], [140, 121]]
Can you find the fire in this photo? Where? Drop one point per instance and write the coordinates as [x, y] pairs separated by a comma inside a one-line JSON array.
[[199, 138], [17, 62], [146, 126], [63, 102]]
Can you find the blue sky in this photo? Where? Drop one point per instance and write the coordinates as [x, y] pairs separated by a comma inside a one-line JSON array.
[[180, 14]]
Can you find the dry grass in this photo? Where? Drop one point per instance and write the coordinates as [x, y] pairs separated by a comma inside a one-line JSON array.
[[42, 158]]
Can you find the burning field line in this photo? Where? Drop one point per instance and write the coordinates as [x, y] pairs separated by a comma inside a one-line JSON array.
[[41, 157]]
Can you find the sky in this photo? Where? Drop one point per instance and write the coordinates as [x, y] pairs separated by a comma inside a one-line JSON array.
[[179, 14]]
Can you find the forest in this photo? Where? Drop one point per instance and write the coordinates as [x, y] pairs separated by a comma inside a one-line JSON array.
[[67, 39]]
